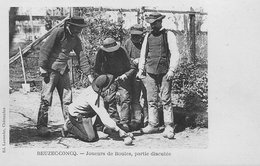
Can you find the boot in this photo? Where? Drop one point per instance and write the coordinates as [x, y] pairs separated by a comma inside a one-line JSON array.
[[168, 132], [134, 126], [43, 131], [42, 121], [149, 129]]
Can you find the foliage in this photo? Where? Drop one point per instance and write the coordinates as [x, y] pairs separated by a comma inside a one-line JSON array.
[[191, 81], [100, 26]]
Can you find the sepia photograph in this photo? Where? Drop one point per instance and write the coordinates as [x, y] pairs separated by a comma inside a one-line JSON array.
[[106, 77], [127, 81]]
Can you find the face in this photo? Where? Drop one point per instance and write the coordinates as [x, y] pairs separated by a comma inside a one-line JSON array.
[[75, 30], [156, 25]]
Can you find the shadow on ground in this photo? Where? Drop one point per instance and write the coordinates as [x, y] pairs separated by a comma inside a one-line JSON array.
[[29, 134]]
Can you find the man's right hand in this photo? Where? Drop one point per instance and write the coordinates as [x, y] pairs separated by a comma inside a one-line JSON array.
[[43, 72]]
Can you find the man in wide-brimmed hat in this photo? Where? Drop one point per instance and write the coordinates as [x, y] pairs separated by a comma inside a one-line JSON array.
[[112, 59], [133, 48], [53, 63], [159, 57], [88, 110]]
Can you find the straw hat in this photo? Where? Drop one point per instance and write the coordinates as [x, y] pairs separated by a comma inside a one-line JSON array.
[[110, 45]]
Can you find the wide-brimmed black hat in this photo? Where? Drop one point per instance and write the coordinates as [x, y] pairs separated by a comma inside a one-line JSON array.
[[154, 17], [102, 82], [76, 21]]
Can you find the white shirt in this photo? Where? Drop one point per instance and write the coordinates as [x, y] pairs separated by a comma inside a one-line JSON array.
[[172, 42], [88, 98]]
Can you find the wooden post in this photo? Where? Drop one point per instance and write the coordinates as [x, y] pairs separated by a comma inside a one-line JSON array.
[[192, 38], [31, 26]]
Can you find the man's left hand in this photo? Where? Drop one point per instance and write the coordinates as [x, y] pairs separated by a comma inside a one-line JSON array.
[[169, 75]]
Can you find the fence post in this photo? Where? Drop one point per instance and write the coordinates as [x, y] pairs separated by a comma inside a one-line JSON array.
[[192, 38], [138, 17]]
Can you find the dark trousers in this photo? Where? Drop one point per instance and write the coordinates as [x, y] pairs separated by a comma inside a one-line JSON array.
[[83, 128], [139, 114]]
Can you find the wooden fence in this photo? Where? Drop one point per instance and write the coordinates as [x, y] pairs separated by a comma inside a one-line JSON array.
[[140, 13]]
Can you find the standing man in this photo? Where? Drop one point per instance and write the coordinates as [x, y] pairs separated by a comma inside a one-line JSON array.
[[53, 62], [113, 59], [133, 48], [159, 57]]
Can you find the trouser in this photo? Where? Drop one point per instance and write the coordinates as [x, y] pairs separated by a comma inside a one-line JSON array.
[[62, 84], [110, 102], [158, 86], [139, 114], [124, 100], [83, 128]]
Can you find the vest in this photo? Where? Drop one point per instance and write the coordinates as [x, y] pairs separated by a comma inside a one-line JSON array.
[[157, 60]]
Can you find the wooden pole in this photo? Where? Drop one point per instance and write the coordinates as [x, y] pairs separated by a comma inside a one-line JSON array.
[[21, 55], [192, 38], [36, 42]]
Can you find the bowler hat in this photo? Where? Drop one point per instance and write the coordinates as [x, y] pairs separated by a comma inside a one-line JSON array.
[[110, 45], [102, 82], [76, 21], [154, 17], [137, 29]]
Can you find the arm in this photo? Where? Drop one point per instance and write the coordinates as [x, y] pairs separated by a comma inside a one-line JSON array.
[[98, 63], [128, 63], [174, 59], [83, 60], [47, 48], [104, 116], [142, 58]]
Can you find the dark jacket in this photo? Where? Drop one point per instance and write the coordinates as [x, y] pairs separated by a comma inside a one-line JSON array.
[[133, 50], [115, 63], [54, 53]]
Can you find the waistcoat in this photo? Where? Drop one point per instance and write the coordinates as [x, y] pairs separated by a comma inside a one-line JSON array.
[[157, 61]]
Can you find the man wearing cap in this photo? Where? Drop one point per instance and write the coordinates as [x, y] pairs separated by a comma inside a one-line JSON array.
[[53, 63], [159, 57], [133, 48], [113, 59], [88, 108]]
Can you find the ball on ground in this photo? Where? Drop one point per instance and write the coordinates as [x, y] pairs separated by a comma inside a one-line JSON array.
[[128, 141]]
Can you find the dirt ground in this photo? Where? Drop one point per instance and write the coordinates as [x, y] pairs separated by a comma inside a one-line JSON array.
[[23, 115]]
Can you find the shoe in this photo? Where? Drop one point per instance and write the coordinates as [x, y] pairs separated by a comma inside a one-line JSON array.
[[134, 126], [108, 131], [102, 135], [168, 132], [149, 129], [43, 131]]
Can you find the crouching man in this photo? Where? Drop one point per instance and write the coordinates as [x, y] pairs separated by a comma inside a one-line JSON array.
[[88, 105]]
